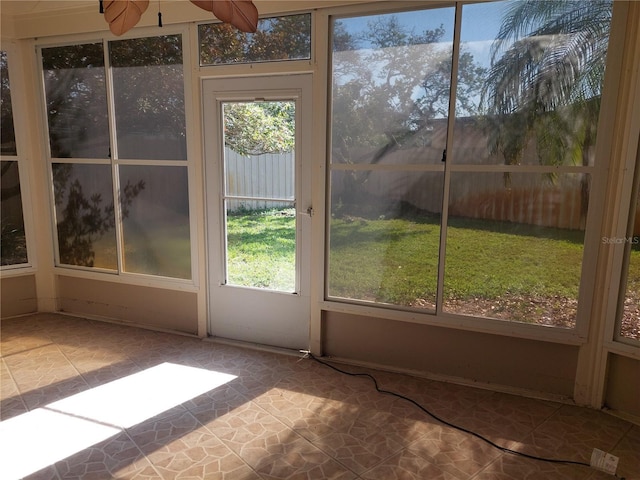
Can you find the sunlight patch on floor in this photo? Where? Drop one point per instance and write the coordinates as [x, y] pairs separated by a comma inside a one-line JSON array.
[[46, 435]]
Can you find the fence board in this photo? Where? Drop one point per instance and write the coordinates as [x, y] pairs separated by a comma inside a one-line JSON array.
[[270, 175]]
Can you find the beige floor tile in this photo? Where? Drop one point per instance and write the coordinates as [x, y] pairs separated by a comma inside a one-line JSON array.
[[506, 419], [198, 454], [628, 451], [44, 375], [220, 402], [446, 401], [406, 465], [292, 418], [48, 473], [156, 432], [117, 457], [573, 432], [453, 451], [510, 467], [358, 447], [270, 447], [11, 403]]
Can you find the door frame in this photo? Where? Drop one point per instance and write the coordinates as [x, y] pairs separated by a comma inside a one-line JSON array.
[[223, 300]]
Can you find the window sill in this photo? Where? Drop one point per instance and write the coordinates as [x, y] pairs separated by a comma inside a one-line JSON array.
[[461, 322], [130, 279]]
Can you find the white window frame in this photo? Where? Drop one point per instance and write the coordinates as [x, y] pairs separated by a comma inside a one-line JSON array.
[[18, 93], [575, 336], [120, 276]]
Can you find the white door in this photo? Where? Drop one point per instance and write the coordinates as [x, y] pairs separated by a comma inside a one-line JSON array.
[[257, 154]]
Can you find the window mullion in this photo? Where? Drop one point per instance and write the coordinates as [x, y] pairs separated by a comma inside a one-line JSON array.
[[447, 170], [113, 154]]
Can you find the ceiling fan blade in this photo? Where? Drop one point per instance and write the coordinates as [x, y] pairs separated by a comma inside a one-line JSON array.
[[242, 14], [122, 15]]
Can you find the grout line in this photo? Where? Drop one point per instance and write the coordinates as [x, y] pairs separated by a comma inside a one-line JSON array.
[[144, 455], [24, 404], [51, 342]]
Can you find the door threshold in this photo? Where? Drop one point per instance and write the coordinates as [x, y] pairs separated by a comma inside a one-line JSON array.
[[254, 346]]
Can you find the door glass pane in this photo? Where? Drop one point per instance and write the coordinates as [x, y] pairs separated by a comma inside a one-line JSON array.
[[154, 202], [541, 73], [148, 90], [259, 194], [85, 217], [514, 247], [630, 321], [74, 80], [7, 133], [14, 243]]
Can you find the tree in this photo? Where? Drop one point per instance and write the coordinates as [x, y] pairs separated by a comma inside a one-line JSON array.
[[74, 79], [277, 38], [83, 219], [255, 128], [7, 133], [545, 81], [391, 91], [391, 84]]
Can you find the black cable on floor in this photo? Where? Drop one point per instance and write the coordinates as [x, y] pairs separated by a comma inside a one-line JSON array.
[[445, 422]]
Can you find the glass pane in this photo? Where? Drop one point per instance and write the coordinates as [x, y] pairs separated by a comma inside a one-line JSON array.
[[630, 321], [155, 220], [261, 246], [7, 133], [148, 84], [260, 194], [74, 80], [14, 243], [542, 69], [514, 246], [85, 215], [270, 175], [384, 237], [277, 38], [259, 151], [391, 83]]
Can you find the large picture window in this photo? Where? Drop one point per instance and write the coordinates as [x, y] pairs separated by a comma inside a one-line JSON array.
[[121, 205], [483, 214]]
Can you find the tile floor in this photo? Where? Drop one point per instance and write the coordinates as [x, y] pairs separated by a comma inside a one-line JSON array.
[[84, 399]]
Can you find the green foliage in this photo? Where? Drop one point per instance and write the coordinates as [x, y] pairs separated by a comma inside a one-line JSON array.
[[255, 128], [7, 132], [546, 78], [390, 83], [277, 38]]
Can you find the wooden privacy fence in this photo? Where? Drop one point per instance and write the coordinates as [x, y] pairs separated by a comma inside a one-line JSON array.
[[260, 181], [528, 200], [547, 207], [267, 181]]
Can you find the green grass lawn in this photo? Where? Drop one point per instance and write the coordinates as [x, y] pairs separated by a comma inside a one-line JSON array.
[[261, 249], [395, 261]]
